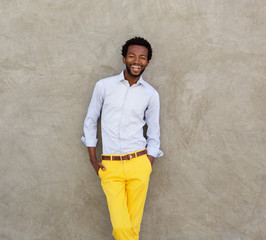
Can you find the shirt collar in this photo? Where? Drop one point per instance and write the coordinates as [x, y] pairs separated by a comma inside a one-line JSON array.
[[121, 77]]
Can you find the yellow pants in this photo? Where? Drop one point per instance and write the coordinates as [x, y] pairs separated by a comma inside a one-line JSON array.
[[125, 185]]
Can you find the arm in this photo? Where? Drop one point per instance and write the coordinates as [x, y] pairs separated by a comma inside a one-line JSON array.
[[90, 125], [152, 115], [93, 114], [94, 162]]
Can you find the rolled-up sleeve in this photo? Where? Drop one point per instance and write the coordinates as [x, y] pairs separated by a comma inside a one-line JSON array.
[[152, 115], [94, 111]]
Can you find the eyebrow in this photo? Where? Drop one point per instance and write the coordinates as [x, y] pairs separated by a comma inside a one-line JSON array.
[[135, 54]]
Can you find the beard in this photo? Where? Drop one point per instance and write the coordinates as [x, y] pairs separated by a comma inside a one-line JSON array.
[[134, 75]]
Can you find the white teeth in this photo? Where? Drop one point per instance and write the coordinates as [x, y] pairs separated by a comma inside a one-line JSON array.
[[138, 67]]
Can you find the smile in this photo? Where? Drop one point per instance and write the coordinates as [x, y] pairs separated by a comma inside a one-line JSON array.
[[135, 67]]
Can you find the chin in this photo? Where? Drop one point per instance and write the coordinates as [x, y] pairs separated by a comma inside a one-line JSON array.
[[136, 75]]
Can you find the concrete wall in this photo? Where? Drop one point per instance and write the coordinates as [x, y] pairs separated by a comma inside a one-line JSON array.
[[209, 68]]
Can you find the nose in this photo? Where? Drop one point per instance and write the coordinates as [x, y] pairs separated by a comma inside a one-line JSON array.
[[137, 60]]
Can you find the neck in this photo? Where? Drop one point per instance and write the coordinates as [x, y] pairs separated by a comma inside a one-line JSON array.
[[131, 79]]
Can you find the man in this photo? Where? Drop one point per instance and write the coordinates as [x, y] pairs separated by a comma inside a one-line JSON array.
[[126, 103]]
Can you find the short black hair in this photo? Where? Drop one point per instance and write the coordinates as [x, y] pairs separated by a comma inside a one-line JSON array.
[[137, 41]]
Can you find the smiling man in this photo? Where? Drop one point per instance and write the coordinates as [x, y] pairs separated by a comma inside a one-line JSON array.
[[126, 103]]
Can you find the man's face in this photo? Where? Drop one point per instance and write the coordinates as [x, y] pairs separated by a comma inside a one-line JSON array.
[[136, 60]]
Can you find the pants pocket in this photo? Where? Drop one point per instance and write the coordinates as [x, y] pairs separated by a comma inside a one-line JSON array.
[[149, 162], [100, 171]]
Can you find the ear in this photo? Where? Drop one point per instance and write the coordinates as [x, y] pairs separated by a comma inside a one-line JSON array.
[[124, 60]]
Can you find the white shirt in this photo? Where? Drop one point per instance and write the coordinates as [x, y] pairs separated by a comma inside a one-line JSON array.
[[124, 111]]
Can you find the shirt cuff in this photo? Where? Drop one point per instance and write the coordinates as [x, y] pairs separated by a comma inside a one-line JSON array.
[[154, 153], [89, 142]]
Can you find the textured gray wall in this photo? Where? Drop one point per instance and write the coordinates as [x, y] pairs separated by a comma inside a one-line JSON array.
[[209, 68]]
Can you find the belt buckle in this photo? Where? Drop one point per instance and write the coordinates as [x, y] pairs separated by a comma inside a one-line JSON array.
[[121, 157]]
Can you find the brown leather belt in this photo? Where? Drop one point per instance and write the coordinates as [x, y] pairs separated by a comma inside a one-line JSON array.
[[124, 157]]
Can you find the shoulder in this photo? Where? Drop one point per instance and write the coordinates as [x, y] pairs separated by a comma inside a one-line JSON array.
[[108, 80], [149, 88]]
